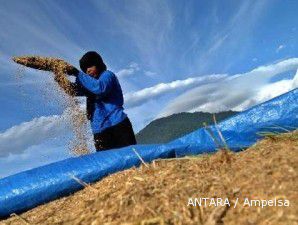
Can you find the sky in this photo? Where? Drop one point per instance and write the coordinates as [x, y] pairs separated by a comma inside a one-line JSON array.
[[170, 57]]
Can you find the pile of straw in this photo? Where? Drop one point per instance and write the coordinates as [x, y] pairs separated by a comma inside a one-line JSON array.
[[158, 193]]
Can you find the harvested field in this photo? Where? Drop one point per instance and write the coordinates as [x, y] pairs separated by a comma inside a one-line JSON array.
[[77, 117], [159, 193]]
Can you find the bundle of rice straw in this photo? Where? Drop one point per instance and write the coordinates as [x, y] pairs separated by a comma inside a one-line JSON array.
[[60, 68]]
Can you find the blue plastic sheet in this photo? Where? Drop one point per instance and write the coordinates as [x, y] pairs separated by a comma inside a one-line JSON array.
[[25, 190], [244, 129]]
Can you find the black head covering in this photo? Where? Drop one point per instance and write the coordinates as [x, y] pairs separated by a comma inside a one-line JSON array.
[[92, 59], [88, 60]]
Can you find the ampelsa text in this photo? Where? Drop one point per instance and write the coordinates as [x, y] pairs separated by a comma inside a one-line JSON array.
[[206, 202], [265, 203]]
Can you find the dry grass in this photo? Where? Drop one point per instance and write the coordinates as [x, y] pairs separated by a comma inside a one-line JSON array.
[[78, 119], [159, 194]]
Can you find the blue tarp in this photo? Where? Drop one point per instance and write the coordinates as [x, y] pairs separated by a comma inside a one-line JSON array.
[[31, 188]]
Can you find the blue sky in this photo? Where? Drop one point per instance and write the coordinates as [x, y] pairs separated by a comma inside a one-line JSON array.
[[170, 56]]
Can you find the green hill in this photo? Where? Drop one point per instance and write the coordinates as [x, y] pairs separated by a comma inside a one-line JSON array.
[[169, 128]]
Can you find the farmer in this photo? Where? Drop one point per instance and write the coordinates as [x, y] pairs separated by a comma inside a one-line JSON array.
[[110, 125]]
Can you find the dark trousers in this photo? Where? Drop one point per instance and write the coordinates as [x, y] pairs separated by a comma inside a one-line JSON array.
[[117, 136]]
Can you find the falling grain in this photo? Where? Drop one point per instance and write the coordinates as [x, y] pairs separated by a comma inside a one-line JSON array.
[[59, 67]]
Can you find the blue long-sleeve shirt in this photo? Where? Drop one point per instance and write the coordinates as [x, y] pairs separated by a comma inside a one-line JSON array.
[[107, 99]]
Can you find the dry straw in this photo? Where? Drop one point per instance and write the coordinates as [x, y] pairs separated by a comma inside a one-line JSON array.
[[160, 195], [60, 68]]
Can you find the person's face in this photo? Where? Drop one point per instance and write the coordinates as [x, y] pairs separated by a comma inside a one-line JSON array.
[[92, 71]]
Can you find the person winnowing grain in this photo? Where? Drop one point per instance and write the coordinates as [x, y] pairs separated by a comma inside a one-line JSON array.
[[109, 123]]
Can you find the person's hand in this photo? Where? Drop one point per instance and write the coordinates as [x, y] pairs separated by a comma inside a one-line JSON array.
[[57, 79], [72, 71]]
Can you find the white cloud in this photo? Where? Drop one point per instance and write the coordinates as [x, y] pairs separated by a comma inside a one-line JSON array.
[[279, 48], [237, 92], [17, 139], [133, 67], [295, 80], [140, 97], [267, 92], [150, 73], [34, 156]]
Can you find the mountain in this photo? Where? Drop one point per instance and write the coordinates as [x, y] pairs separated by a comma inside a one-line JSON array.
[[168, 128]]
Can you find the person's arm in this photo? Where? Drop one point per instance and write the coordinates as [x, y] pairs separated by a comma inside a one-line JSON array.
[[79, 90], [101, 86]]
